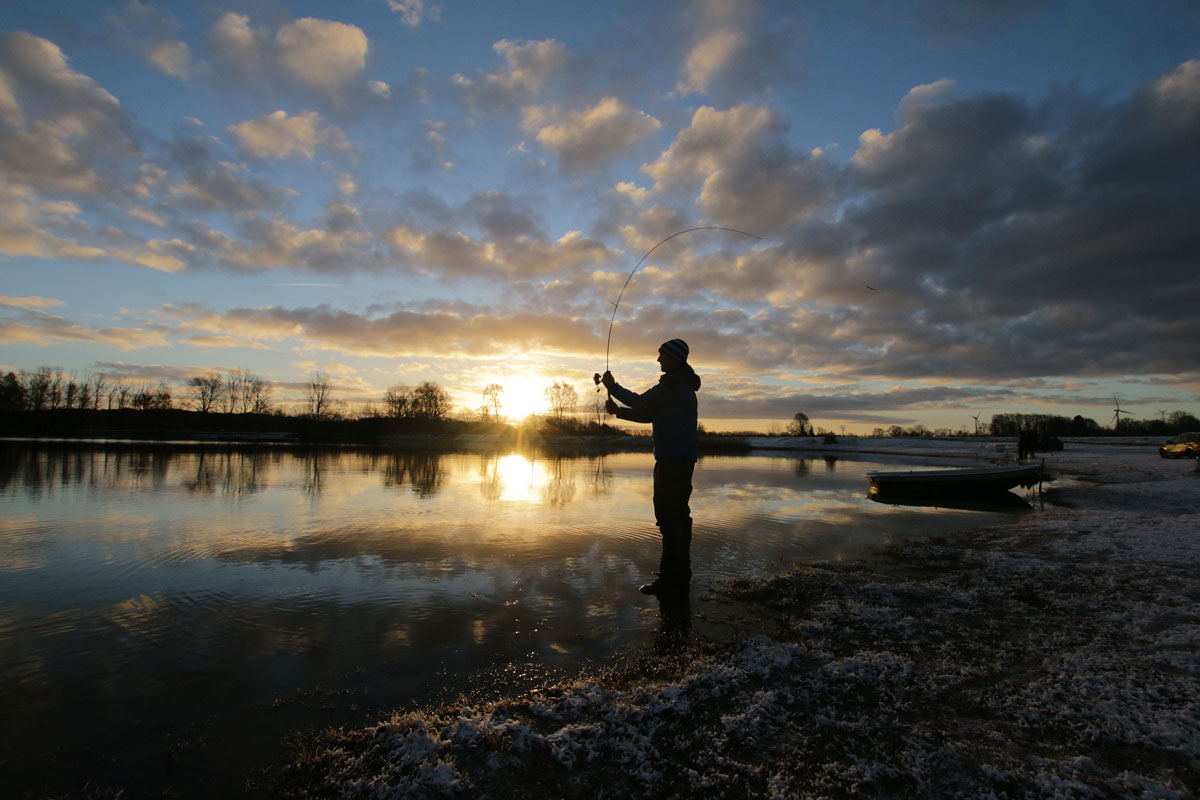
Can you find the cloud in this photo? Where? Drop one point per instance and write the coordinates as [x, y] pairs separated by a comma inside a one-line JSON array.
[[56, 124], [197, 174], [27, 228], [232, 342], [274, 243], [735, 52], [712, 140], [153, 33], [322, 54], [709, 57], [454, 254], [1005, 238], [239, 45], [589, 138], [413, 12], [276, 135], [530, 66], [172, 58], [30, 301], [36, 328], [747, 175], [447, 329]]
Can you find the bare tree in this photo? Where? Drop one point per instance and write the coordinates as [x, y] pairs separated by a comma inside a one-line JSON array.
[[70, 392], [98, 389], [491, 401], [246, 392], [55, 396], [595, 408], [233, 390], [562, 399], [123, 394], [319, 395], [800, 426], [258, 396], [152, 398], [206, 391], [431, 402], [84, 397], [398, 401], [37, 388]]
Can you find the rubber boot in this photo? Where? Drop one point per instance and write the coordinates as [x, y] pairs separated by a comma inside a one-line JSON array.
[[674, 567]]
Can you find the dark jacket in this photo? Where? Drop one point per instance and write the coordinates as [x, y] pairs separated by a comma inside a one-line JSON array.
[[670, 407]]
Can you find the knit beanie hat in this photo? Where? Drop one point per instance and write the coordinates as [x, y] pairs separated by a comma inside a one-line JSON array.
[[676, 348]]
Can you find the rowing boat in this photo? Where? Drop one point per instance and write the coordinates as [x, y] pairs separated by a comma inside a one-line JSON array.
[[974, 480]]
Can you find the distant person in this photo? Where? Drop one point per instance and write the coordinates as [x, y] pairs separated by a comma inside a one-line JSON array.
[[670, 407], [1026, 443]]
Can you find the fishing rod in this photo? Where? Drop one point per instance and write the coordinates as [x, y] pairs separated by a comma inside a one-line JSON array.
[[616, 305]]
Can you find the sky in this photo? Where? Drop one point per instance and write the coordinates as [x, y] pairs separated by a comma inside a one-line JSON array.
[[961, 208]]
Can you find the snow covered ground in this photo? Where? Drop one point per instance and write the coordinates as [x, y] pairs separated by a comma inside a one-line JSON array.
[[1057, 655]]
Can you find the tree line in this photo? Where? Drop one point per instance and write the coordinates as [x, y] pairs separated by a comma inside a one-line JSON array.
[[1012, 424], [47, 389], [240, 391], [1168, 424]]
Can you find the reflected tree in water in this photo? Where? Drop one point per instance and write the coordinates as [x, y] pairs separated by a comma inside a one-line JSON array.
[[559, 489], [313, 474], [602, 479], [491, 478], [422, 471]]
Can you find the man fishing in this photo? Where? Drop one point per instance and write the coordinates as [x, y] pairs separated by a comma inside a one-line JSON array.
[[670, 407]]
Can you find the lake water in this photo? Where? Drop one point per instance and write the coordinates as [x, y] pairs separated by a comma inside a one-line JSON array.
[[169, 614]]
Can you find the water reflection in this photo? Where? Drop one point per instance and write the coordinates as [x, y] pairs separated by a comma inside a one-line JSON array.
[[150, 591]]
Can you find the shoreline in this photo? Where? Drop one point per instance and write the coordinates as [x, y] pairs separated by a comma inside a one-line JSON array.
[[1055, 653]]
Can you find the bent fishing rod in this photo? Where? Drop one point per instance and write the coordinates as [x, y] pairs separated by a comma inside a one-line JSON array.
[[616, 305]]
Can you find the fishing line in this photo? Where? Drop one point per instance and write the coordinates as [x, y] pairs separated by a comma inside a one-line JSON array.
[[616, 305]]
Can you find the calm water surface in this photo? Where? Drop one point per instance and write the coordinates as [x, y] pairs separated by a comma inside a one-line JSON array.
[[167, 615]]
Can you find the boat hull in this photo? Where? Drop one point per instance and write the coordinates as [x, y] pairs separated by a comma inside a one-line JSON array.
[[973, 481]]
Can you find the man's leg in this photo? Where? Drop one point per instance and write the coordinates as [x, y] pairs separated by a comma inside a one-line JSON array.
[[672, 492]]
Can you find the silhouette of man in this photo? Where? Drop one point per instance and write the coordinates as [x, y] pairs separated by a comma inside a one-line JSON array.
[[670, 408]]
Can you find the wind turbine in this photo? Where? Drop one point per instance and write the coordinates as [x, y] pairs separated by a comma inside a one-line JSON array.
[[1117, 412], [976, 418]]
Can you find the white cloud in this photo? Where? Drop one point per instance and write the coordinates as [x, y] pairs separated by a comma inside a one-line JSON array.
[[530, 66], [57, 122], [592, 137], [26, 228], [414, 12], [277, 135], [30, 301], [708, 57], [238, 44], [713, 140], [322, 54], [173, 58], [36, 328]]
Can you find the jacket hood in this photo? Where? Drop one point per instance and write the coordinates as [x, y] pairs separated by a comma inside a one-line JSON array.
[[683, 375]]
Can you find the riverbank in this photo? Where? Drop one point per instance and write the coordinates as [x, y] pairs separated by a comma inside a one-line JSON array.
[[1058, 654]]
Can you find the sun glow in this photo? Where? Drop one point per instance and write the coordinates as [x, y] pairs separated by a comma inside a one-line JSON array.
[[513, 480], [523, 395]]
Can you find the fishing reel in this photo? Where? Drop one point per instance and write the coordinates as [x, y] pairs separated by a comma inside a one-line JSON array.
[[597, 379]]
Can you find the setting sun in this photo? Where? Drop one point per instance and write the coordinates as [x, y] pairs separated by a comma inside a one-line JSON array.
[[522, 395]]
